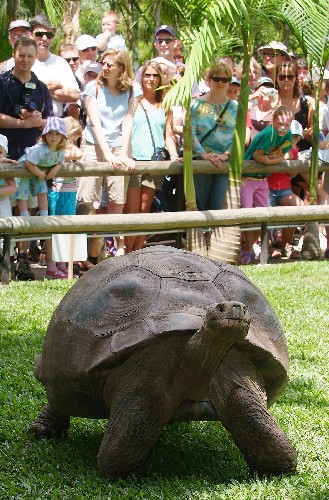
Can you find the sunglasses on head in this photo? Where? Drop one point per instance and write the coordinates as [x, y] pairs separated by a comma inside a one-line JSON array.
[[224, 79], [40, 34], [282, 78], [105, 64], [269, 54], [166, 40], [74, 59], [89, 48]]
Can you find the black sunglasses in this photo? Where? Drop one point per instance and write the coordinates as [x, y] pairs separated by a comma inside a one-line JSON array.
[[105, 64], [166, 40], [89, 48], [269, 54], [74, 59], [40, 34], [282, 78], [224, 79], [149, 75]]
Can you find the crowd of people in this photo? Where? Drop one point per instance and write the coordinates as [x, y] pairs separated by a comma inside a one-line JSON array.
[[86, 104]]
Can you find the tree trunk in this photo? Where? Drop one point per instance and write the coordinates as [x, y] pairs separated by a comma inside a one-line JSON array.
[[71, 26]]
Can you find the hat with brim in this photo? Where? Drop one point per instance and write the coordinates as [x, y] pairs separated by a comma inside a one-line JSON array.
[[85, 41], [55, 123], [296, 128], [93, 67], [277, 47], [264, 81], [171, 66], [19, 23], [4, 143], [165, 27]]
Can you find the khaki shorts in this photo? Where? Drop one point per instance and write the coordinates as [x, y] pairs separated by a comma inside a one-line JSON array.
[[89, 188], [147, 181]]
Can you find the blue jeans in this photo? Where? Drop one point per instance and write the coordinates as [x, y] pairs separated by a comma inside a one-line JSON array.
[[210, 190]]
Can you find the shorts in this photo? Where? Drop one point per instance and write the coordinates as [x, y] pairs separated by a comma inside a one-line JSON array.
[[31, 186], [89, 188], [156, 182], [254, 193], [62, 203], [277, 194]]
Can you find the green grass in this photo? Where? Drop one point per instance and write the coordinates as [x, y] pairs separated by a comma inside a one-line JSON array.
[[190, 461]]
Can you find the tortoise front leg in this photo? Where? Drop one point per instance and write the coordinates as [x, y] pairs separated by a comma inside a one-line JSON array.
[[50, 424]]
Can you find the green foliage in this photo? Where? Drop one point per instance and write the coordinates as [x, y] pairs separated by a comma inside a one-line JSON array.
[[191, 460]]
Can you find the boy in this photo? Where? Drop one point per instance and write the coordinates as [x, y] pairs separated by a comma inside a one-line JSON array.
[[108, 39]]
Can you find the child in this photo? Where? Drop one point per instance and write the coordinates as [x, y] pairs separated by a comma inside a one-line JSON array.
[[63, 190], [108, 39], [43, 160], [267, 147], [7, 186]]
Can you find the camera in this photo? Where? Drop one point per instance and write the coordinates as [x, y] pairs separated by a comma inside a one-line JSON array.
[[30, 106], [269, 92]]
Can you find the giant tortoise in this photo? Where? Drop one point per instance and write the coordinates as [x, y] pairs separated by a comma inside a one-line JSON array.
[[161, 335]]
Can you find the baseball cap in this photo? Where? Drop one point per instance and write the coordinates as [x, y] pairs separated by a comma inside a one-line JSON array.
[[19, 23], [95, 67], [55, 123], [4, 143], [85, 41], [165, 27], [264, 80], [235, 81]]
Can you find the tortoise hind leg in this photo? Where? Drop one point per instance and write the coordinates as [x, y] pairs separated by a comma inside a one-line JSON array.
[[49, 423], [239, 397]]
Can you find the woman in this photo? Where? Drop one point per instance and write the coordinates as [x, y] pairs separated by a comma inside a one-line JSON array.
[[150, 120], [213, 123], [110, 101]]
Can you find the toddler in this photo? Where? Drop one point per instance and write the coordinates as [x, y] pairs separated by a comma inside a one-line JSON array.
[[63, 190], [268, 147], [109, 39]]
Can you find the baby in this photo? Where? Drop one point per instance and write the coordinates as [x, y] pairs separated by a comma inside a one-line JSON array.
[[109, 39]]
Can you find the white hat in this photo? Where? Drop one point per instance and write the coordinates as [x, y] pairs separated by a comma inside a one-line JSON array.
[[276, 46], [55, 123], [19, 23], [85, 41], [4, 143], [171, 66], [296, 128], [94, 67]]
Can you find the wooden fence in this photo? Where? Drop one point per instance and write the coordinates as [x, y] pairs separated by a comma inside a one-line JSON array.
[[166, 221]]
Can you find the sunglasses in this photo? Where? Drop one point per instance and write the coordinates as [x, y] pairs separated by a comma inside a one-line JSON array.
[[224, 79], [269, 54], [165, 40], [74, 59], [282, 78], [105, 64], [151, 75], [41, 34], [89, 48]]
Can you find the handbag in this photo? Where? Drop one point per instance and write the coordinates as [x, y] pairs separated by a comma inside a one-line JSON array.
[[159, 154], [218, 121]]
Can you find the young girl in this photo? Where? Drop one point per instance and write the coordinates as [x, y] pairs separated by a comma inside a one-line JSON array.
[[7, 186], [43, 160], [63, 192]]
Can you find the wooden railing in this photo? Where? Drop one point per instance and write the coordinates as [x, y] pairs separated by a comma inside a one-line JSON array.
[[169, 221]]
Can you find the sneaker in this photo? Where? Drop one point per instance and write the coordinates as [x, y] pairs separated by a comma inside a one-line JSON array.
[[23, 269], [55, 275]]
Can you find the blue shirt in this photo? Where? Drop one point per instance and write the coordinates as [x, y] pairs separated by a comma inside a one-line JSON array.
[[204, 115], [112, 110], [141, 141], [41, 156]]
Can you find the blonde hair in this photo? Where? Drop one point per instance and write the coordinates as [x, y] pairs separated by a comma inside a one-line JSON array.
[[72, 126], [111, 13], [122, 60], [281, 110], [61, 146], [160, 90], [219, 67]]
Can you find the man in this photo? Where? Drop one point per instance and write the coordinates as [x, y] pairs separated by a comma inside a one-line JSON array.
[[25, 103], [273, 54], [53, 70], [87, 49], [17, 28]]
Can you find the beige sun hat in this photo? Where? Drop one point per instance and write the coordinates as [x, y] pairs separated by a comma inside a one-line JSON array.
[[277, 46]]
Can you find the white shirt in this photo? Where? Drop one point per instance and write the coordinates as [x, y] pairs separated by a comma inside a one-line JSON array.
[[56, 68]]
